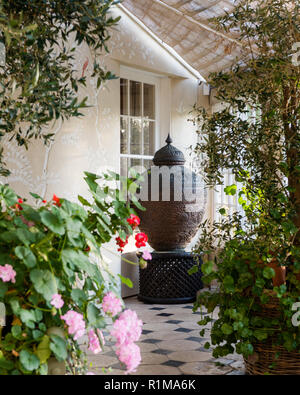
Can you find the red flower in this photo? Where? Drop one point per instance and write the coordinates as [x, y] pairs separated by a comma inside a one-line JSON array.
[[87, 249], [134, 221], [121, 243], [56, 200], [141, 240], [18, 206], [44, 201]]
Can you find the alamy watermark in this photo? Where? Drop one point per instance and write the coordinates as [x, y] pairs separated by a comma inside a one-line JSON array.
[[164, 183]]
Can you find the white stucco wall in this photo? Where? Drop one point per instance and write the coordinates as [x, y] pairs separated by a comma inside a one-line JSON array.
[[92, 143]]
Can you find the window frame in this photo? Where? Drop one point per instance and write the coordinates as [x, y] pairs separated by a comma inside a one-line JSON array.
[[144, 77]]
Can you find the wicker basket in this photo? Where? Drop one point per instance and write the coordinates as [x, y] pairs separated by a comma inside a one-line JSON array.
[[287, 363], [264, 360]]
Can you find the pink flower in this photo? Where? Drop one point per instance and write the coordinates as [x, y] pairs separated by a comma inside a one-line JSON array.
[[94, 344], [90, 374], [75, 323], [7, 273], [146, 255], [111, 304], [127, 328], [57, 301], [130, 355]]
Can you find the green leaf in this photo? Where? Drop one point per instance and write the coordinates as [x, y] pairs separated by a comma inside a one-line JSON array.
[[193, 270], [25, 236], [226, 329], [43, 282], [58, 347], [15, 305], [4, 363], [126, 281], [29, 361], [83, 201], [94, 317], [230, 189], [268, 272], [28, 317], [79, 296], [260, 334], [260, 282], [207, 267], [53, 222], [3, 289], [228, 283], [16, 331], [26, 255], [43, 351], [8, 195], [36, 196], [71, 258]]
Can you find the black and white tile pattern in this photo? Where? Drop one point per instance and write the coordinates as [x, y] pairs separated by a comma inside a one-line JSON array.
[[170, 345]]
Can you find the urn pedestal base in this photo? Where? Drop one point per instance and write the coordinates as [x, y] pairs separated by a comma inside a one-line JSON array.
[[166, 279]]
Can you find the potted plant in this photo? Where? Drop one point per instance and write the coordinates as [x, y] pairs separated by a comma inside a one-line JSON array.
[[256, 136], [55, 285]]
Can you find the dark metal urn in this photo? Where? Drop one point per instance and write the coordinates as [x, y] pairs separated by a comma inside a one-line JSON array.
[[174, 199]]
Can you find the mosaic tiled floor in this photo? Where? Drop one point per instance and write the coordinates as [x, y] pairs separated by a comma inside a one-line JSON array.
[[170, 345]]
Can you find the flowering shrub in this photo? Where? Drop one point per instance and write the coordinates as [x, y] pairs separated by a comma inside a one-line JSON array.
[[52, 275]]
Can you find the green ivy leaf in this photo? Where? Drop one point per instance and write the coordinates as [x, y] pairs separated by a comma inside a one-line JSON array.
[[230, 189], [16, 331], [43, 351], [94, 317], [28, 317], [26, 255], [228, 284], [193, 270], [8, 195], [58, 347], [4, 363], [81, 261], [79, 296], [207, 267], [226, 329], [260, 334], [53, 222], [43, 282], [29, 361], [268, 273]]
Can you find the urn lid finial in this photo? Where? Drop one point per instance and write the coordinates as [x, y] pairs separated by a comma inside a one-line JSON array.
[[169, 155], [169, 139]]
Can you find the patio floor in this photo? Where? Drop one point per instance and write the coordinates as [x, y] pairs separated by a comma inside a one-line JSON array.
[[170, 345]]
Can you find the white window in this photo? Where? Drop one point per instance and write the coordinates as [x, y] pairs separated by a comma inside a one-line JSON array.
[[221, 200], [139, 119], [218, 198]]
